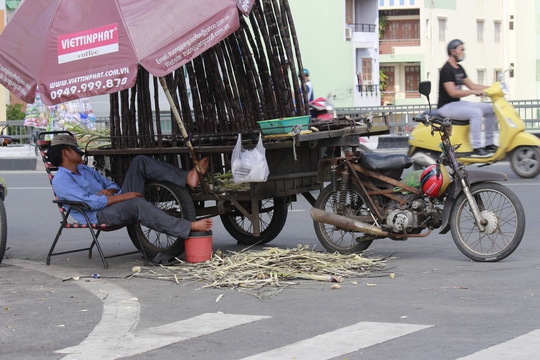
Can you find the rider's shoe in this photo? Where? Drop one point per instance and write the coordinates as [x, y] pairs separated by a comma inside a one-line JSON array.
[[480, 152], [491, 148]]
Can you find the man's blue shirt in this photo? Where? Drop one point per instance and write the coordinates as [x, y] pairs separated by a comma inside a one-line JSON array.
[[85, 187]]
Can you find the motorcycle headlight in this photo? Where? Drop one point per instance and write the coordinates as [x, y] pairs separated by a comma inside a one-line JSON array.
[[511, 123]]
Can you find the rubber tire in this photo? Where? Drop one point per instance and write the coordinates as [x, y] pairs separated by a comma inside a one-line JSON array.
[[180, 205], [322, 200], [513, 214], [3, 230], [530, 153], [242, 234]]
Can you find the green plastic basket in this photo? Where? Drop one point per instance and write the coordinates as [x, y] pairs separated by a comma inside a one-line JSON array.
[[282, 126]]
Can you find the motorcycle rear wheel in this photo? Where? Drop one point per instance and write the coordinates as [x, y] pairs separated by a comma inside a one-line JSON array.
[[504, 228], [339, 240]]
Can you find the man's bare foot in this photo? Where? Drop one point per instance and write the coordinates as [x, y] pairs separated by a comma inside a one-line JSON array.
[[201, 225], [192, 177]]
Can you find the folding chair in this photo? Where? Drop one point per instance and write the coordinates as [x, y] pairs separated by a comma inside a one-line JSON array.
[[95, 229]]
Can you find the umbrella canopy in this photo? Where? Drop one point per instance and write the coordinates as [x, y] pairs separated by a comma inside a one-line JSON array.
[[82, 48]]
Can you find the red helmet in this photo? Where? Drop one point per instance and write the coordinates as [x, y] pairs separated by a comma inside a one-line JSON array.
[[434, 182]]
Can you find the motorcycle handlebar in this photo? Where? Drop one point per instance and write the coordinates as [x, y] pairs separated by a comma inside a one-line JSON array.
[[424, 119]]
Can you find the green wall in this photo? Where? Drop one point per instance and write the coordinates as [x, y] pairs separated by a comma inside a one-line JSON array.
[[320, 28]]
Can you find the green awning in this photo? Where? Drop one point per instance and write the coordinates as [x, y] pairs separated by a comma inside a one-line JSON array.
[[12, 4]]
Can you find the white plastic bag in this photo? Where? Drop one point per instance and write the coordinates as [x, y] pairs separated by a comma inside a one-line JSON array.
[[249, 165]]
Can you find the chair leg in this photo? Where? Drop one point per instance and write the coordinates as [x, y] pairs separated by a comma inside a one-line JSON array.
[[98, 247], [54, 243]]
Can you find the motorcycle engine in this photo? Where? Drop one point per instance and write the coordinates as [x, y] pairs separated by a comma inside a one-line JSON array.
[[400, 220], [417, 213]]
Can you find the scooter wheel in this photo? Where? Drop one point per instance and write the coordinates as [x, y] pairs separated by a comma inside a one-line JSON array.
[[525, 161]]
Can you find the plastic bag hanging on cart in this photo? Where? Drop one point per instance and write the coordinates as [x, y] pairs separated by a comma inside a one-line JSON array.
[[249, 165]]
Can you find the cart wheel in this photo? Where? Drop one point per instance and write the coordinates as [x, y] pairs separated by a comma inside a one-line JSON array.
[[175, 201], [272, 217]]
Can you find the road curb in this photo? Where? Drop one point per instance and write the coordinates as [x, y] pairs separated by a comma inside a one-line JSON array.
[[18, 163]]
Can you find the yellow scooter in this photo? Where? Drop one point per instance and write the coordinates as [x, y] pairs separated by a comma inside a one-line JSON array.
[[522, 149]]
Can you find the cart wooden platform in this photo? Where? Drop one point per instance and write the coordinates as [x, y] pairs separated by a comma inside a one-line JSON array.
[[256, 213]]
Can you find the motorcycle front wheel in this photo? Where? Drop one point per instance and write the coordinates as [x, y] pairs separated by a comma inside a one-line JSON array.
[[504, 223], [335, 239]]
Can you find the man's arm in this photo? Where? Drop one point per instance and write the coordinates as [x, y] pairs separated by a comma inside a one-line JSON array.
[[450, 88], [468, 83], [121, 197]]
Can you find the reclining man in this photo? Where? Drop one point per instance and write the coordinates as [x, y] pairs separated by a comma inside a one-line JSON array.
[[112, 205]]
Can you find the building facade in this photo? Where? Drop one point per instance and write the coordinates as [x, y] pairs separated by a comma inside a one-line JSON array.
[[499, 35], [339, 44]]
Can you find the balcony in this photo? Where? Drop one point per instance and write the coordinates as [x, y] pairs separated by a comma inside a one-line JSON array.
[[362, 27], [394, 97], [368, 90], [387, 46]]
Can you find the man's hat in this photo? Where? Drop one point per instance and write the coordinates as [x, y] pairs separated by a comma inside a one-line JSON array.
[[66, 139]]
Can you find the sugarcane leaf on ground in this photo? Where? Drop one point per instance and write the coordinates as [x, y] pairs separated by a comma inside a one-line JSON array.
[[267, 268]]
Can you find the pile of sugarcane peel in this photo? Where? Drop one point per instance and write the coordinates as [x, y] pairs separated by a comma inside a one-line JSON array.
[[267, 272]]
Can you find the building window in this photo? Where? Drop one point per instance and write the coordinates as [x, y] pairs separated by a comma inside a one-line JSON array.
[[391, 2], [401, 2], [481, 75], [381, 2], [412, 79], [496, 75], [349, 11], [402, 30], [442, 29], [480, 30], [497, 30], [367, 69], [412, 2]]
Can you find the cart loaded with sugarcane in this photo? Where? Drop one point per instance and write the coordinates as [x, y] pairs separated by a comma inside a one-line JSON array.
[[246, 86]]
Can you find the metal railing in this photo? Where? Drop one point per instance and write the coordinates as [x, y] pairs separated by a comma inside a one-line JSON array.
[[363, 27], [368, 89], [400, 117]]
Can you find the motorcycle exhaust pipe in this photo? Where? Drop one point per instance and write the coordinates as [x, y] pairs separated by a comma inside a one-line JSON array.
[[346, 223]]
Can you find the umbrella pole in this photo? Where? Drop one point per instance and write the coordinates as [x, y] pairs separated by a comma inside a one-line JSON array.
[[184, 133]]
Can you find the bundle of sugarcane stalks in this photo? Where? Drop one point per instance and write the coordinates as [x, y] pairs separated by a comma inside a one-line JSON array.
[[267, 272], [252, 75]]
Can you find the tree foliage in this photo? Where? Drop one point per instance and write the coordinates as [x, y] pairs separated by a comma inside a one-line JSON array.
[[15, 112]]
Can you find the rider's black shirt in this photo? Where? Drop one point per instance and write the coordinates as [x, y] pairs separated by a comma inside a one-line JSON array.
[[449, 74]]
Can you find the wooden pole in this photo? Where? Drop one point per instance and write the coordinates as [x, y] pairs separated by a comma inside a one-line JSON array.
[[184, 133]]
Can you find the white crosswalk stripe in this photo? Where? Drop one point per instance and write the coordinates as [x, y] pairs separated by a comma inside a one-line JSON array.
[[523, 347], [117, 336], [340, 342]]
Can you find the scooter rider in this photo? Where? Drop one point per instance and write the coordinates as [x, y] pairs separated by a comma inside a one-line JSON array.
[[451, 79]]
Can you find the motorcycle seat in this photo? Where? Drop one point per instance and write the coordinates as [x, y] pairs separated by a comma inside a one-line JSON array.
[[441, 118], [384, 162]]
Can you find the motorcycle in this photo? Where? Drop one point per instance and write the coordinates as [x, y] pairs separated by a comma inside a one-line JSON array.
[[3, 219], [366, 200], [516, 145], [321, 109]]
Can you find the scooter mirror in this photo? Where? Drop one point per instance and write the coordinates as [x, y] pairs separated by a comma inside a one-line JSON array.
[[424, 88]]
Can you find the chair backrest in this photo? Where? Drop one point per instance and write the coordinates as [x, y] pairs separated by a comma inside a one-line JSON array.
[[43, 146]]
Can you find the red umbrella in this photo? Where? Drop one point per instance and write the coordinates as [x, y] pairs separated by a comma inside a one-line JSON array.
[[82, 48]]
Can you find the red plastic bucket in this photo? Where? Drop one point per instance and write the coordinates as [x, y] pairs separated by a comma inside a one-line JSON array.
[[199, 247]]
